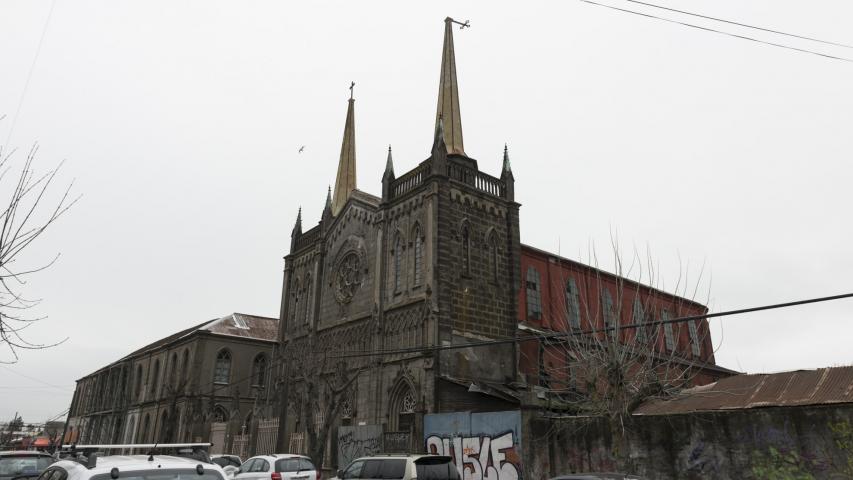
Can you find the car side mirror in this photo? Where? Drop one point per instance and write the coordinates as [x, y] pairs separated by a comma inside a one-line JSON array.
[[340, 474]]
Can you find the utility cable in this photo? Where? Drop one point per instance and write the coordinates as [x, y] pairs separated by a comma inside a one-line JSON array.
[[708, 29], [30, 73], [550, 335], [812, 39]]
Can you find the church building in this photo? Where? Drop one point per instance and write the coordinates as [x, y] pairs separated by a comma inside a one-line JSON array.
[[432, 276]]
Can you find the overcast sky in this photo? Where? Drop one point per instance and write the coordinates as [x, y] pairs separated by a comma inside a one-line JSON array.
[[181, 121]]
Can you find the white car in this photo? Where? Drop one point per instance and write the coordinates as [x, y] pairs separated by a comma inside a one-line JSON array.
[[278, 466], [400, 467], [230, 464], [136, 467]]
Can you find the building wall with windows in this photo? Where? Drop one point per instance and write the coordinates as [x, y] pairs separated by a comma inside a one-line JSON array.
[[561, 295], [175, 388]]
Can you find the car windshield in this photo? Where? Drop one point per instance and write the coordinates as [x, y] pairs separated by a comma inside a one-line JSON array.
[[440, 468], [291, 465], [163, 474], [16, 466], [226, 461]]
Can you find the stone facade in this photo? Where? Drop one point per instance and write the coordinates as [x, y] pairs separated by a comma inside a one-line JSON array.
[[176, 388]]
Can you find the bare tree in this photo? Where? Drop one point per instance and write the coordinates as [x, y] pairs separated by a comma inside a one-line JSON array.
[[29, 211], [320, 384], [615, 353]]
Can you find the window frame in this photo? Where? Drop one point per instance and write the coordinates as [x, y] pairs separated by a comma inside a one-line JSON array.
[[216, 378], [533, 293]]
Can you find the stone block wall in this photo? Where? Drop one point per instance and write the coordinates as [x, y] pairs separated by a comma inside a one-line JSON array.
[[774, 442]]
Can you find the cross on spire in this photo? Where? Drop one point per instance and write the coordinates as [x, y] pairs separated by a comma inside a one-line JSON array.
[[351, 87]]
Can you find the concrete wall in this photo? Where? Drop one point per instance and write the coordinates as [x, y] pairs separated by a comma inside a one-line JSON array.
[[794, 442]]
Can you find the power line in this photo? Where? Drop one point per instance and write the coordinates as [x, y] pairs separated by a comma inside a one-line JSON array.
[[30, 73], [741, 24], [436, 348], [708, 29], [66, 389]]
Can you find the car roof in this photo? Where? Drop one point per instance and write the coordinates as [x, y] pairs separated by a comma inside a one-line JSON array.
[[413, 456], [282, 455], [133, 463], [23, 453]]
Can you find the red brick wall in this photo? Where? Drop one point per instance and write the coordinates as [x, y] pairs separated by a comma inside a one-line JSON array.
[[554, 272]]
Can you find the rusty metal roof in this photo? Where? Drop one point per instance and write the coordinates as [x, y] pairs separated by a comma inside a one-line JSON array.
[[802, 387]]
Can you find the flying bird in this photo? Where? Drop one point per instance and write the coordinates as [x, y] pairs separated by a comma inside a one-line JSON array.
[[301, 148]]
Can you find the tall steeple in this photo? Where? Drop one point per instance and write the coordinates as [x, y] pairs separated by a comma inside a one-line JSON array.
[[448, 93], [345, 181]]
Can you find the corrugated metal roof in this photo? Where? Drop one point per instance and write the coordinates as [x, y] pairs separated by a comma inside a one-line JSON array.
[[801, 387]]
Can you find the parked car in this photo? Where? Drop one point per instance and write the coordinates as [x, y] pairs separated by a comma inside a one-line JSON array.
[[137, 467], [23, 464], [401, 467], [230, 463], [278, 466], [597, 476]]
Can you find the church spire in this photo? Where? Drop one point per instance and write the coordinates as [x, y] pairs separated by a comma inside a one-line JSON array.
[[345, 181], [387, 177], [448, 93], [389, 164]]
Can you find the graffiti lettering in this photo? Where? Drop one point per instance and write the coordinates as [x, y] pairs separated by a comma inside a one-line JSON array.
[[354, 442], [480, 457]]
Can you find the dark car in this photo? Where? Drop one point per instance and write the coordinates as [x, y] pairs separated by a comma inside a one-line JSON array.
[[23, 464], [597, 476]]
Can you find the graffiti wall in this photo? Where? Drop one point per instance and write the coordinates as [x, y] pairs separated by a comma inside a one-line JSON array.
[[359, 441], [484, 446]]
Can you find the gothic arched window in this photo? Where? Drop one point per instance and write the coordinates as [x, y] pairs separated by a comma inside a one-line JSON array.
[[155, 379], [222, 367], [259, 370], [308, 301], [185, 366], [143, 432], [138, 382], [294, 298], [173, 371], [534, 297], [398, 263], [418, 254], [573, 307], [220, 414]]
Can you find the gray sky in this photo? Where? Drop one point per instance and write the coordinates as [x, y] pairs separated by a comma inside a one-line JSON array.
[[181, 122]]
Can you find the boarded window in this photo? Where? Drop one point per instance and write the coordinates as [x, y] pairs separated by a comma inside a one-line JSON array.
[[667, 330], [573, 306], [534, 298], [694, 339]]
